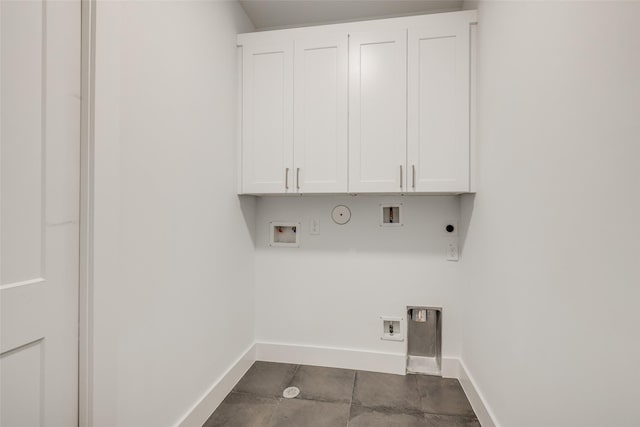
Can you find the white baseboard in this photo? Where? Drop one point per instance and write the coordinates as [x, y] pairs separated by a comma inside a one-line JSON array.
[[478, 403], [208, 403], [346, 358]]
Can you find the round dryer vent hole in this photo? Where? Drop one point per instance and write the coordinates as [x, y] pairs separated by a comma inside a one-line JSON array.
[[290, 392]]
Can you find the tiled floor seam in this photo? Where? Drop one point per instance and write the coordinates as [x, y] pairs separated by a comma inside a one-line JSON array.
[[445, 414], [253, 394], [316, 399], [274, 411], [275, 398], [280, 398], [417, 388], [392, 410], [293, 375], [409, 411], [353, 390]]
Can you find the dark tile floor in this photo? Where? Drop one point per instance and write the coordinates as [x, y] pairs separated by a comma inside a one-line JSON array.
[[341, 397]]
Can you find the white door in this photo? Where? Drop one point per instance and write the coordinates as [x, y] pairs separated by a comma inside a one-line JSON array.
[[267, 117], [377, 111], [438, 122], [40, 143], [320, 111]]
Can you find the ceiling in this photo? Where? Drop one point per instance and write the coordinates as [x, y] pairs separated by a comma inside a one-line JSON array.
[[271, 14]]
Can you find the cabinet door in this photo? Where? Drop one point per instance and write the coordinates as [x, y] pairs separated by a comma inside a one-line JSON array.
[[438, 122], [377, 111], [320, 111], [267, 117]]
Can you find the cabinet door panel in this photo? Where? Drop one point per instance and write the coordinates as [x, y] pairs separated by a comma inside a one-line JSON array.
[[320, 111], [377, 112], [438, 125], [267, 109]]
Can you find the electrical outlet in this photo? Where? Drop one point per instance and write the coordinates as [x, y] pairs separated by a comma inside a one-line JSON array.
[[314, 226], [452, 250]]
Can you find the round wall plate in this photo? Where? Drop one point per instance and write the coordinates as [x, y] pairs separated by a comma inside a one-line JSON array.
[[341, 214]]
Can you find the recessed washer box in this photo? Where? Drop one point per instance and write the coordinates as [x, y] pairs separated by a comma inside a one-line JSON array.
[[392, 328], [284, 234], [391, 215]]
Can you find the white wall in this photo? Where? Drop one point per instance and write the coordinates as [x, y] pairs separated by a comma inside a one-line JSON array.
[[173, 246], [332, 290], [550, 263]]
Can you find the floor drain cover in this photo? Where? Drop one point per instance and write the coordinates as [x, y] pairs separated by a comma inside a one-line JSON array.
[[290, 392]]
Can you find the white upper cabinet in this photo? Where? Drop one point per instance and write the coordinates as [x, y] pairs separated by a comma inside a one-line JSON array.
[[439, 98], [320, 114], [381, 106], [267, 117], [377, 111]]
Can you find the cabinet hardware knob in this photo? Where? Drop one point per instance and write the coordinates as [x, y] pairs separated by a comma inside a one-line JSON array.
[[286, 179], [401, 183], [298, 178]]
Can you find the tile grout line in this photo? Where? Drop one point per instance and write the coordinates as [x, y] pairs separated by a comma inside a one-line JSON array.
[[289, 382], [442, 414], [353, 390], [280, 397], [427, 395], [320, 399], [420, 397], [274, 411]]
